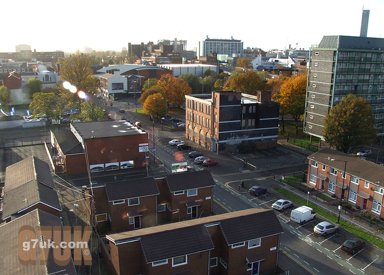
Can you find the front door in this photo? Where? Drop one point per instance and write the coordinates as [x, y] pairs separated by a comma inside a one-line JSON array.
[[137, 222], [255, 268], [193, 212]]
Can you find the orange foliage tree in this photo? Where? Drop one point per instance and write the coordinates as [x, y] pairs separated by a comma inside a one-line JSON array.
[[174, 89], [248, 82], [155, 105]]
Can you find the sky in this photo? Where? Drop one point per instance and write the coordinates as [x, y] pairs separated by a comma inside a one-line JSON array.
[[74, 25]]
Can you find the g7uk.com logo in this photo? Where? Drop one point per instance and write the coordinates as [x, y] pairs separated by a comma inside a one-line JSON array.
[[35, 244]]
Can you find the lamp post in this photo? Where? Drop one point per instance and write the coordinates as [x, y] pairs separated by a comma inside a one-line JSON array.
[[338, 217], [308, 197]]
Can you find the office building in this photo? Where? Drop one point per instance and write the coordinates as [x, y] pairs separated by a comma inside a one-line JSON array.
[[231, 47]]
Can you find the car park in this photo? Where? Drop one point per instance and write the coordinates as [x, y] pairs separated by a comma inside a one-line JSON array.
[[352, 246], [194, 154], [302, 214], [175, 142], [209, 162], [325, 228], [257, 191], [183, 147], [200, 159], [281, 204]]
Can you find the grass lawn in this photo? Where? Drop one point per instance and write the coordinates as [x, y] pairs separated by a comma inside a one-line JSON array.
[[300, 139], [357, 231]]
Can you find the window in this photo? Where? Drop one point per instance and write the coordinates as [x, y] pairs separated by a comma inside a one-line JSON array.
[[236, 245], [177, 193], [366, 184], [161, 207], [213, 262], [331, 187], [180, 260], [352, 196], [376, 207], [312, 106], [118, 202], [134, 201], [160, 262], [101, 217], [324, 167], [223, 263], [354, 180], [192, 192], [316, 53], [314, 163], [254, 243], [333, 171], [312, 179]]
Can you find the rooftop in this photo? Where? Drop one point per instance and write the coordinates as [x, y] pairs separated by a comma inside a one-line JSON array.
[[351, 42], [67, 141], [189, 180], [132, 189]]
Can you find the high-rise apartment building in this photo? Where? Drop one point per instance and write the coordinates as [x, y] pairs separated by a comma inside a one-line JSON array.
[[230, 47], [340, 65]]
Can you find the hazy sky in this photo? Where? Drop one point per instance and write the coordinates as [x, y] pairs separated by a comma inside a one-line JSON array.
[[70, 25]]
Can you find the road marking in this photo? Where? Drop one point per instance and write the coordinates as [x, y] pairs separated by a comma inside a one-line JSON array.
[[326, 239], [265, 202], [329, 257], [282, 217], [318, 271], [305, 262], [352, 271], [296, 255], [310, 234], [370, 263], [222, 205], [355, 254], [337, 248]]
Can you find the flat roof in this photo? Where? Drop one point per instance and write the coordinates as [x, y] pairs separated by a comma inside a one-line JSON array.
[[102, 129]]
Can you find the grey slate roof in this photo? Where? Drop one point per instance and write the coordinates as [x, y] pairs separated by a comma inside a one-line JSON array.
[[131, 189], [364, 169], [249, 227], [67, 141], [102, 129], [189, 180], [10, 263], [351, 42], [168, 244]]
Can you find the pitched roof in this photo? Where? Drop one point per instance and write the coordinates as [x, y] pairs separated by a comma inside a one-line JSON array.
[[168, 244], [189, 180], [10, 263], [361, 168], [131, 189], [67, 141], [249, 227], [26, 170]]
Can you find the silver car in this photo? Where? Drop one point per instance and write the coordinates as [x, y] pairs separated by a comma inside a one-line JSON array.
[[325, 228], [281, 204]]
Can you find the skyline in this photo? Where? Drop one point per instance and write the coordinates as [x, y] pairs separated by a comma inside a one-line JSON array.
[[51, 26]]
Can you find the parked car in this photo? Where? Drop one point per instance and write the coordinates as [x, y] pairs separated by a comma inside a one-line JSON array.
[[257, 191], [200, 159], [194, 154], [180, 125], [325, 228], [137, 124], [209, 162], [364, 153], [175, 142], [281, 204], [122, 111], [182, 147], [302, 214], [352, 245]]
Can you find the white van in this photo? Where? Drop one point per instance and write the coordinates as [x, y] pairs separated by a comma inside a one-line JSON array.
[[302, 214]]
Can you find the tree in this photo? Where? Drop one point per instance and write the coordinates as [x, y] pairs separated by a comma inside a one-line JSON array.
[[45, 104], [155, 105], [248, 82], [91, 112], [292, 98], [243, 62], [207, 83], [149, 83], [77, 70], [4, 96], [174, 89], [350, 123], [150, 91], [193, 82], [34, 86]]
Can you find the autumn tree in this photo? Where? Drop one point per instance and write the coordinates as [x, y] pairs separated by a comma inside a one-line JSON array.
[[350, 123], [150, 91], [91, 112], [149, 83], [248, 82], [34, 85], [174, 89], [155, 105], [77, 70], [45, 104], [292, 98], [243, 62], [4, 96]]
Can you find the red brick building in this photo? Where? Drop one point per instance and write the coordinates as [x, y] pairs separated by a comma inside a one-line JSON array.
[[99, 146], [359, 182], [241, 242]]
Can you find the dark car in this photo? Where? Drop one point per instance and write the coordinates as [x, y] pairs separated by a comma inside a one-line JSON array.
[[210, 162], [194, 154], [182, 147], [257, 191], [352, 245]]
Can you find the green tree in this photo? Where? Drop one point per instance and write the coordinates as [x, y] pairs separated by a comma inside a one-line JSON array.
[[249, 82], [4, 95], [350, 123], [155, 105], [174, 89], [193, 82], [150, 91], [149, 83], [34, 86], [91, 112], [207, 84], [77, 70], [45, 104]]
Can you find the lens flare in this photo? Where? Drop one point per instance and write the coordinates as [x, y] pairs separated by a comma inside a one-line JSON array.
[[66, 85], [73, 89], [82, 94]]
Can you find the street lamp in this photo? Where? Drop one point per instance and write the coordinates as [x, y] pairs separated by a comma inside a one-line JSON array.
[[338, 217], [307, 197]]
